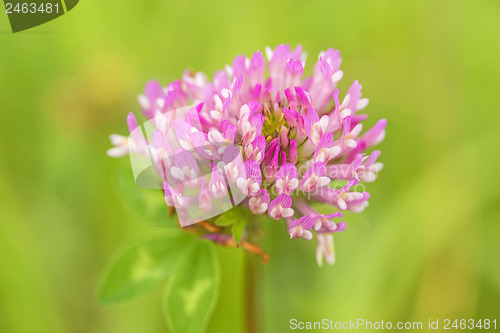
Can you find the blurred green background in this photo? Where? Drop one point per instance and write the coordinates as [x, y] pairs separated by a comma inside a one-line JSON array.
[[426, 247]]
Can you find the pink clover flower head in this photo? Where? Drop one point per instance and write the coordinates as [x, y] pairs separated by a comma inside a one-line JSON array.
[[264, 133]]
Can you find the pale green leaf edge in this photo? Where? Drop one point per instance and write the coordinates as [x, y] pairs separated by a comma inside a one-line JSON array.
[[217, 277], [170, 232]]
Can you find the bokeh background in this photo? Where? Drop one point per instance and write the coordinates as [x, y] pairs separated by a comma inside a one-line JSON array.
[[426, 247]]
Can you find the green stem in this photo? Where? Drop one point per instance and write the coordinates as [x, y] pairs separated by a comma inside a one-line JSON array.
[[251, 297], [252, 282]]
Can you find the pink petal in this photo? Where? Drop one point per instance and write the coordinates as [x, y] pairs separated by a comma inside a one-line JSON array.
[[184, 158]]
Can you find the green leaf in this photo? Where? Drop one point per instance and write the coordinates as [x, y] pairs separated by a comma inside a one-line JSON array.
[[148, 205], [237, 230], [264, 218], [143, 266], [192, 293], [232, 216]]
